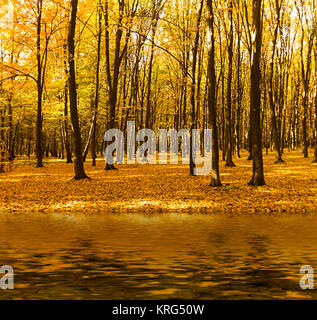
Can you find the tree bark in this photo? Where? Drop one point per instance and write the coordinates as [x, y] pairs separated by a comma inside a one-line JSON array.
[[315, 151], [275, 130], [229, 161], [39, 135], [67, 142], [93, 138], [306, 72], [239, 90], [113, 80], [193, 123], [212, 104], [255, 99], [79, 164]]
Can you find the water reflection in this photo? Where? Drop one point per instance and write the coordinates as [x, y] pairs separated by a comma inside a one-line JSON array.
[[136, 256]]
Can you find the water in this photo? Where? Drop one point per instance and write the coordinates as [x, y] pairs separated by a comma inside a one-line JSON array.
[[138, 256]]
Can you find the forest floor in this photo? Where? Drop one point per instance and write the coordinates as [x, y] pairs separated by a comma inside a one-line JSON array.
[[290, 187]]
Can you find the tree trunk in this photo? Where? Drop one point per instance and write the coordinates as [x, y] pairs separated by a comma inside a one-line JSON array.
[[39, 136], [67, 142], [193, 123], [113, 80], [79, 164], [148, 97], [212, 104], [315, 151], [11, 136], [238, 79], [275, 131], [92, 131], [306, 79], [229, 162], [255, 99]]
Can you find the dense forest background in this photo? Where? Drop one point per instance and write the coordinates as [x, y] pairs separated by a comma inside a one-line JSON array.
[[246, 69]]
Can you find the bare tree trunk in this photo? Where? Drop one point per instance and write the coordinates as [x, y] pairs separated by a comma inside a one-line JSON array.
[[39, 136], [113, 80], [275, 131], [315, 151], [255, 99], [155, 16], [79, 164], [149, 83], [229, 162], [93, 138], [112, 99], [10, 137], [86, 148], [193, 123], [238, 79], [306, 79], [212, 104], [67, 142]]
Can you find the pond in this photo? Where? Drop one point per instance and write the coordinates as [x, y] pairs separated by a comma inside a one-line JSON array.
[[157, 256]]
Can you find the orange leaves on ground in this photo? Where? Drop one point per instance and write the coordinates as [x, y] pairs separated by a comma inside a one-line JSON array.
[[291, 186]]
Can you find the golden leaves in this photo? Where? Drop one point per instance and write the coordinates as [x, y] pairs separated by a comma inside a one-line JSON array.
[[291, 186]]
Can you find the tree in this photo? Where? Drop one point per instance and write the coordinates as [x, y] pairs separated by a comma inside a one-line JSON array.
[[41, 68], [255, 99], [113, 78], [212, 105], [96, 102], [193, 92], [93, 127], [66, 131], [275, 131], [153, 62], [315, 152], [79, 164], [305, 67], [229, 161], [44, 24]]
